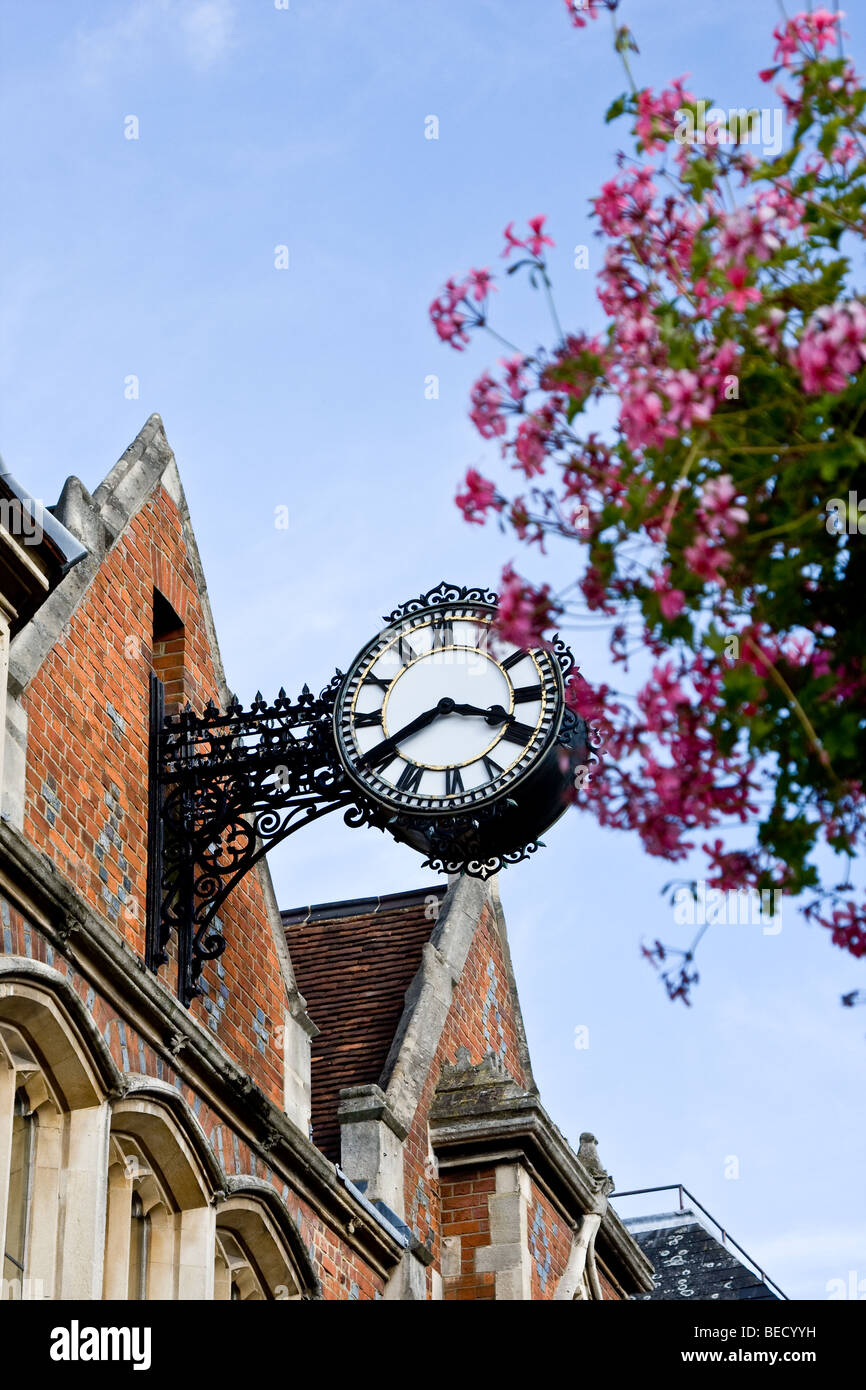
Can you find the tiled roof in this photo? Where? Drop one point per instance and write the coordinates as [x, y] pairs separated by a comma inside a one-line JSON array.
[[353, 963], [688, 1261]]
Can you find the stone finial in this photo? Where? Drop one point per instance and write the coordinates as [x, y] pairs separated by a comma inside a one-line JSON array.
[[463, 1060], [588, 1155]]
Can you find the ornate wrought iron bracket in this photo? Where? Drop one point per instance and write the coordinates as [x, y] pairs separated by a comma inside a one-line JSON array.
[[225, 787]]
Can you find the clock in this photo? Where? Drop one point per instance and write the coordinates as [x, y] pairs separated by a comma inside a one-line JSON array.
[[463, 738]]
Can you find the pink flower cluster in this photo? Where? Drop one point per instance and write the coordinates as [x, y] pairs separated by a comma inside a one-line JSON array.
[[680, 262], [581, 10], [457, 307], [847, 925], [656, 115], [479, 498], [534, 242], [486, 413], [717, 520], [832, 348], [817, 29], [525, 613]]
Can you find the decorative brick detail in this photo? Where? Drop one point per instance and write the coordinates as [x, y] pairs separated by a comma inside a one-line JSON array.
[[550, 1240]]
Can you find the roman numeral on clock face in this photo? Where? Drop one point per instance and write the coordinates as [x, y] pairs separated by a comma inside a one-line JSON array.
[[376, 680], [492, 769], [512, 660], [410, 778], [368, 720], [453, 781], [405, 651], [526, 694], [518, 733], [441, 633]]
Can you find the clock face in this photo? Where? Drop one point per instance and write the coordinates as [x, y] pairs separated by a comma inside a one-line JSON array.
[[437, 716]]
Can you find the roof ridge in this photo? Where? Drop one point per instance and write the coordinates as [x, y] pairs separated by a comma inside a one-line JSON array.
[[359, 907]]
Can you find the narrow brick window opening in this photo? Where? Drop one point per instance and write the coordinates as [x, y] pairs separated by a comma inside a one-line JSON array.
[[169, 643]]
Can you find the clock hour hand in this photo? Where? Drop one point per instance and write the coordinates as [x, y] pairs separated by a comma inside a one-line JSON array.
[[389, 745]]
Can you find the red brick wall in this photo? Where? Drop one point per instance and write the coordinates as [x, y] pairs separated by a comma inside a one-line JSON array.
[[465, 1214], [550, 1239], [481, 1000], [342, 1272], [86, 804], [608, 1288]]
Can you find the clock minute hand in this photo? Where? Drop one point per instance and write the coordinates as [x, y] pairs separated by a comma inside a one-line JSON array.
[[389, 745]]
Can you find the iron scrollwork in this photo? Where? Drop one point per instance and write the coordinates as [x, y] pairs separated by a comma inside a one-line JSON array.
[[225, 788]]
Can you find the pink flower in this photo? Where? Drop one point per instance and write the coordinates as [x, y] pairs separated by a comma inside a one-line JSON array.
[[446, 320], [533, 243], [748, 232], [739, 297], [671, 601], [848, 927], [514, 367], [715, 512], [480, 282], [817, 28], [486, 413], [845, 151], [538, 238], [530, 446], [480, 497], [832, 348], [707, 560], [639, 417], [581, 10], [524, 612]]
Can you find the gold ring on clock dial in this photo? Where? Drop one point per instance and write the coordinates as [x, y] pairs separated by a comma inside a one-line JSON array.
[[460, 717]]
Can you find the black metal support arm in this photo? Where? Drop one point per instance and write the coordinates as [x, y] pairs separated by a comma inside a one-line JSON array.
[[224, 789]]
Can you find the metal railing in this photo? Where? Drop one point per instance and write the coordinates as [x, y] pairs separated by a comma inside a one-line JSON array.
[[727, 1240]]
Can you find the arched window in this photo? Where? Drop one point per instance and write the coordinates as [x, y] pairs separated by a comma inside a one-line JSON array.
[[20, 1192], [141, 1238], [236, 1275], [31, 1188], [55, 1074], [162, 1177]]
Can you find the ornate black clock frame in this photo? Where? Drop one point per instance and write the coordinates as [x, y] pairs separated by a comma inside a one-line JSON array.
[[225, 787]]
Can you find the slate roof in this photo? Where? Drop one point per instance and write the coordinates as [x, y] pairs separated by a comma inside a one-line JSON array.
[[353, 962], [690, 1263]]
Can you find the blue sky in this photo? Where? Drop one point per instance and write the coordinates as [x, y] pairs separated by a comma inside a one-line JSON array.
[[304, 388]]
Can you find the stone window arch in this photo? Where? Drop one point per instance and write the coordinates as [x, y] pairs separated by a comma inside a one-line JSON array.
[[53, 1135], [141, 1227], [162, 1181], [259, 1254]]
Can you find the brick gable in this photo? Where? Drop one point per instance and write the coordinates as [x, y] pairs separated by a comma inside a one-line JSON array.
[[87, 772]]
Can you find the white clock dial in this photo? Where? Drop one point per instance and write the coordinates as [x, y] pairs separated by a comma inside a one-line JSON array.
[[435, 715]]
